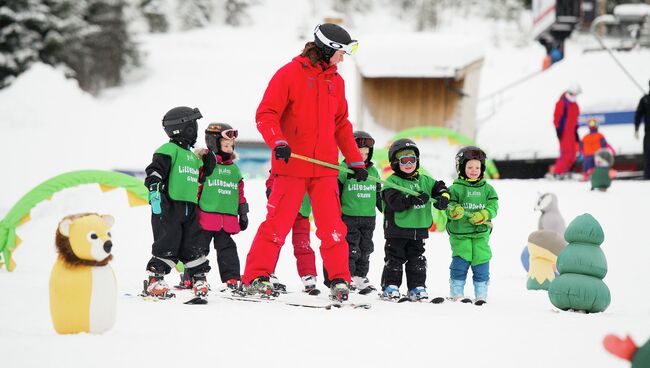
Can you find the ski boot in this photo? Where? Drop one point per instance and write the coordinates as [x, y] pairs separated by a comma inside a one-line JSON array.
[[260, 286], [155, 286], [362, 285], [309, 283], [390, 293], [232, 284], [200, 285], [418, 294], [278, 287], [185, 283], [339, 290]]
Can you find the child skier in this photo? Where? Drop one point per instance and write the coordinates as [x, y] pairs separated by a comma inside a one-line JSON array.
[[172, 180], [407, 220], [305, 256], [589, 145], [358, 202], [472, 205], [222, 205]]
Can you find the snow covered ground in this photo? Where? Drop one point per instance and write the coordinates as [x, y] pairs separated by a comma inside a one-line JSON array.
[[49, 127], [516, 328]]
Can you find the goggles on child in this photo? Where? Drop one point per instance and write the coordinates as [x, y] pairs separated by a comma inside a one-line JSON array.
[[230, 133], [474, 155], [349, 49], [365, 142], [407, 160]]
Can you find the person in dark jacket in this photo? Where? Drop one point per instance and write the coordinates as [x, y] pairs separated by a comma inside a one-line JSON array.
[[407, 219], [643, 113], [173, 183]]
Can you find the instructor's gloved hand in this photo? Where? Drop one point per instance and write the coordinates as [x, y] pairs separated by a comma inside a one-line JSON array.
[[243, 222], [282, 152], [636, 134], [456, 212], [442, 201], [479, 218], [360, 173], [154, 198]]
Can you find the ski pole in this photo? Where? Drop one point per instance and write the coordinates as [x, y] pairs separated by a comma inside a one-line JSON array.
[[346, 170]]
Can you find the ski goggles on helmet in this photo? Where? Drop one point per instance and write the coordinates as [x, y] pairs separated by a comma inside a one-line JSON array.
[[230, 133], [349, 49], [407, 160], [365, 142], [474, 154]]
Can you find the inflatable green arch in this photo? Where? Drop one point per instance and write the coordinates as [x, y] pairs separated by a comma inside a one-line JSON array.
[[19, 213], [381, 154]]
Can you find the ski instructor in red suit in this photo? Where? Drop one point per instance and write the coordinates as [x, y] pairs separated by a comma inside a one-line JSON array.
[[304, 111]]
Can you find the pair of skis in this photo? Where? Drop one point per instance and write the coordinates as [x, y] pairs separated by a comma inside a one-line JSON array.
[[327, 305]]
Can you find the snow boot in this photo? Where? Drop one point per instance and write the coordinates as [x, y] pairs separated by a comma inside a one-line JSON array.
[[277, 285], [390, 292], [457, 291], [480, 291], [418, 294], [363, 285], [339, 290], [156, 286], [200, 285]]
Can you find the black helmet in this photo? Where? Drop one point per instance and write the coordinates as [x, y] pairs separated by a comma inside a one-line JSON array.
[[469, 153], [399, 145], [330, 38], [215, 131], [180, 123], [364, 139]]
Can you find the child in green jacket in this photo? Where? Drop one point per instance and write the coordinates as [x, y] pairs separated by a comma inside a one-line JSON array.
[[472, 205]]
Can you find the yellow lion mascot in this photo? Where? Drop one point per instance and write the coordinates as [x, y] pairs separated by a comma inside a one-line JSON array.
[[83, 291]]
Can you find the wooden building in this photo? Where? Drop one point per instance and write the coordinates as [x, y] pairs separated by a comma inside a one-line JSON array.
[[418, 80]]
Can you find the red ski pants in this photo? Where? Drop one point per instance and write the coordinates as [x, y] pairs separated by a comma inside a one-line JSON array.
[[568, 152], [305, 256], [282, 207]]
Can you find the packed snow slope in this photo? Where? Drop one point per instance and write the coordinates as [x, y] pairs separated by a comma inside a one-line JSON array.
[[517, 328]]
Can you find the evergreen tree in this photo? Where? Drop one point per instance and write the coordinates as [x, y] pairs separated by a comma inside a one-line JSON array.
[[106, 49], [236, 11], [22, 25], [152, 10], [195, 13]]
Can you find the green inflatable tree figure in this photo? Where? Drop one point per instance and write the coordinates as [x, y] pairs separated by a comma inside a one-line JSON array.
[[582, 267]]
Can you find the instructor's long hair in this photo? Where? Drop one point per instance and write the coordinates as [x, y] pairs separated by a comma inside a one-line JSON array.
[[313, 53]]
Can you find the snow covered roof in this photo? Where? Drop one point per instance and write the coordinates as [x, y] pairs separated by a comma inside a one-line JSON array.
[[416, 55]]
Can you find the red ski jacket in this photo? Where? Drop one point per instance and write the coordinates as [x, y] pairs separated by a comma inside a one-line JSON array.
[[304, 106], [565, 119]]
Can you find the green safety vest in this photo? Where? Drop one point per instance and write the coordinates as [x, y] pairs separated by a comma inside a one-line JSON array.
[[358, 198], [418, 216], [183, 182], [220, 192]]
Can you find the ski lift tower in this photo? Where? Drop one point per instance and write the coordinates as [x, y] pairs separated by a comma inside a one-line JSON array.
[[554, 20]]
